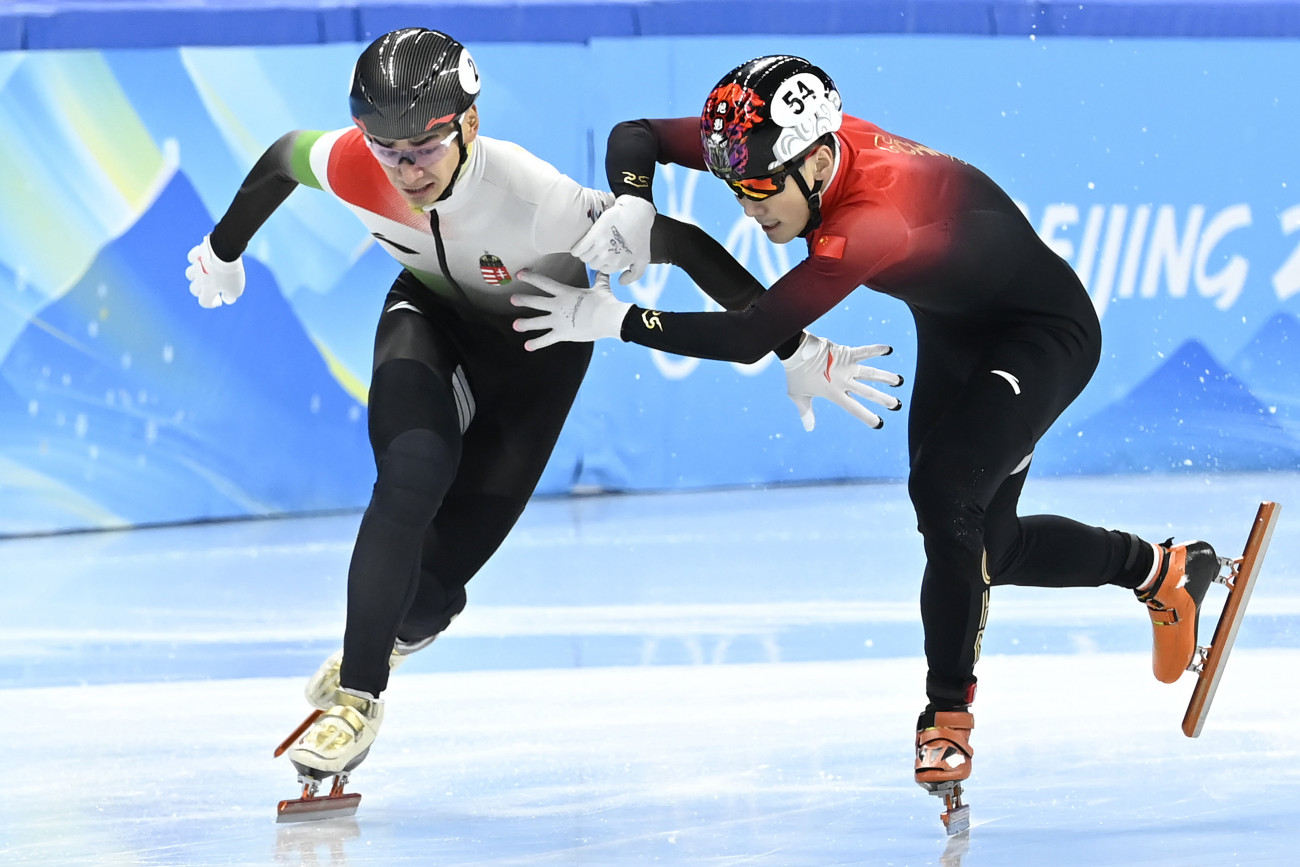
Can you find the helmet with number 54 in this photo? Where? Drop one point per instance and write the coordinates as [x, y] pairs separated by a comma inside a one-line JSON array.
[[765, 115]]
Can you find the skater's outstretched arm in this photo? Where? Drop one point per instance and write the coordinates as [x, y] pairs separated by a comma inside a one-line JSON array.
[[712, 268], [267, 185], [216, 271]]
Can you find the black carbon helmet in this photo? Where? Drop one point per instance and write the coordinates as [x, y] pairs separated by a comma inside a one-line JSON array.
[[765, 114], [411, 80]]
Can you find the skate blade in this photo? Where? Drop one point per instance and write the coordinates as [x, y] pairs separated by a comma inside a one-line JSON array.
[[317, 809], [1245, 572], [956, 815], [956, 820]]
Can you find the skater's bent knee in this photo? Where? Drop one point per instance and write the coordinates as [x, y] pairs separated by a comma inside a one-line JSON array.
[[414, 474], [946, 514]]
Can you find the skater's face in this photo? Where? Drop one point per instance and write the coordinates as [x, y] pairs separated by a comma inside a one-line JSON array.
[[420, 169], [782, 215]]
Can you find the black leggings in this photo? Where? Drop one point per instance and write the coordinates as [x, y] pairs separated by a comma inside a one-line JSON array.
[[462, 422], [981, 401]]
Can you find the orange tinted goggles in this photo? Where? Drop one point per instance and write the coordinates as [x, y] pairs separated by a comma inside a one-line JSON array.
[[759, 188]]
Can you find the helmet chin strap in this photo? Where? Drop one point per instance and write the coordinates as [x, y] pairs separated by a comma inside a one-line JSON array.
[[813, 194], [814, 197], [464, 155]]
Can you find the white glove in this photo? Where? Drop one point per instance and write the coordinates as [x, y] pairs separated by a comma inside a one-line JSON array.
[[619, 239], [575, 314], [213, 281], [819, 368]]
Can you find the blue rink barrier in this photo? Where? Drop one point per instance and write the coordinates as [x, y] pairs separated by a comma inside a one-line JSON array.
[[163, 23], [1161, 169]]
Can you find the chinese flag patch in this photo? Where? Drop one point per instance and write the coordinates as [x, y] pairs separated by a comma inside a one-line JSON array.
[[829, 247]]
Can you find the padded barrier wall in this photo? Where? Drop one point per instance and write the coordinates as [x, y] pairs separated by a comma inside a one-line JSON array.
[[1162, 169]]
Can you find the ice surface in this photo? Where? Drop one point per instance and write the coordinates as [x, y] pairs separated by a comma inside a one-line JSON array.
[[716, 678]]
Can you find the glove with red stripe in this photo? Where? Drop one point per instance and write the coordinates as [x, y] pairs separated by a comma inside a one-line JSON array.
[[819, 368], [213, 281]]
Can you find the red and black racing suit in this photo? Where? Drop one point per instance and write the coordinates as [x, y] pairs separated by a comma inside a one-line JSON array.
[[1006, 338]]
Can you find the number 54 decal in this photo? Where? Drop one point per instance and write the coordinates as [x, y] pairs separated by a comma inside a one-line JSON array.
[[799, 97]]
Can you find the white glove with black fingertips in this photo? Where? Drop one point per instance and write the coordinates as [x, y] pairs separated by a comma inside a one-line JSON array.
[[619, 240], [569, 314], [820, 368], [213, 281]]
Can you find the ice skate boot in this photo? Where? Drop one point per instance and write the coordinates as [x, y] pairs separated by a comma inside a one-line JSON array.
[[322, 689], [339, 739], [335, 742], [943, 762], [1174, 602]]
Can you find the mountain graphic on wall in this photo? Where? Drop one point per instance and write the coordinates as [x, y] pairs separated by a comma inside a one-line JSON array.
[[153, 409], [1270, 362], [1190, 415]]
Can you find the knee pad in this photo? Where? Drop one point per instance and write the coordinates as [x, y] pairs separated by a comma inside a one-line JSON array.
[[938, 497], [415, 472]]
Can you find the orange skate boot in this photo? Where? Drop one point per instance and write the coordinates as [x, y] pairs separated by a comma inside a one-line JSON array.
[[943, 762], [1174, 603]]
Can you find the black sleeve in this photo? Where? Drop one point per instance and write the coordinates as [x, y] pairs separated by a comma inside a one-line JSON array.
[[743, 336], [635, 146], [800, 297], [268, 184], [711, 267], [630, 156], [705, 261]]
